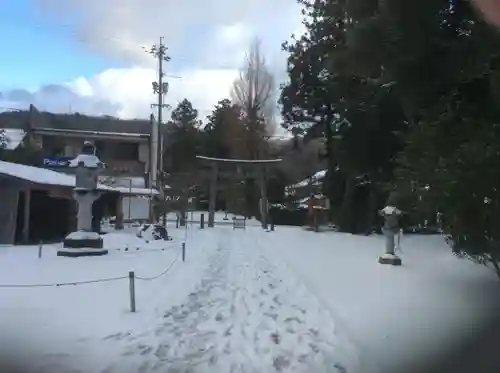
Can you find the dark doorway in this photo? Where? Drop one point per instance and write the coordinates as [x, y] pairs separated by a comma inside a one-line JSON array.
[[49, 218]]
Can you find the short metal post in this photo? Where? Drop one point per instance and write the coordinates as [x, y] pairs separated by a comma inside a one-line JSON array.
[[177, 223], [398, 243], [202, 221], [183, 251], [40, 247], [131, 278]]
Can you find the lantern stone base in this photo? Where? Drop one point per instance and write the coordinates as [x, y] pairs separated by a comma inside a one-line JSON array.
[[82, 243], [390, 259]]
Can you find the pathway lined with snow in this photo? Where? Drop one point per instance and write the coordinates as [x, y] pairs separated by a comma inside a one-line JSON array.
[[244, 301], [246, 315]]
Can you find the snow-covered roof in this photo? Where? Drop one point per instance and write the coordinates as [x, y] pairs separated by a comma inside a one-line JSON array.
[[303, 201], [126, 183], [36, 175], [133, 191], [314, 180], [239, 160], [91, 133], [48, 177], [123, 181]]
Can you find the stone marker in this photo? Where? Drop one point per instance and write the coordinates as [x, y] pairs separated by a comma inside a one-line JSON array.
[[84, 242], [391, 215]]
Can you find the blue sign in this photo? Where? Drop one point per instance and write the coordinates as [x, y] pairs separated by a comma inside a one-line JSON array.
[[54, 161]]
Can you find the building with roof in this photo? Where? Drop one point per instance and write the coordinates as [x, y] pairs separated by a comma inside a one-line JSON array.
[[302, 190], [126, 146], [37, 203]]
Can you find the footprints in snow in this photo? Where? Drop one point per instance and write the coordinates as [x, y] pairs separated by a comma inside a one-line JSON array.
[[118, 336], [139, 349], [225, 316]]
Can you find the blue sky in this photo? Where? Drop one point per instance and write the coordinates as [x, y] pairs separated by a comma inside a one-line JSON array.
[[37, 51]]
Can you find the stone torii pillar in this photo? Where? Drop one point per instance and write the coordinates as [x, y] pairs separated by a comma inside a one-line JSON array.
[[212, 201], [263, 202]]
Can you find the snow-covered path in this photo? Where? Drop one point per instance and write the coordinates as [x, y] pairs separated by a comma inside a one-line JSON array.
[[246, 315], [243, 301]]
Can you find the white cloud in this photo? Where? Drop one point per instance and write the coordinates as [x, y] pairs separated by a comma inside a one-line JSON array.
[[207, 42], [131, 89], [120, 27]]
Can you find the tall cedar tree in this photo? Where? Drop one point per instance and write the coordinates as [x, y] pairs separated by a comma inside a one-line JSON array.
[[224, 131], [182, 138], [351, 112], [442, 60]]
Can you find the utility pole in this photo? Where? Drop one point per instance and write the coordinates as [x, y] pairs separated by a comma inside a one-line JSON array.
[[160, 88]]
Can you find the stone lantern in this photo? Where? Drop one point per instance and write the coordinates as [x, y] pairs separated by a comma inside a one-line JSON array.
[[84, 242], [391, 215]]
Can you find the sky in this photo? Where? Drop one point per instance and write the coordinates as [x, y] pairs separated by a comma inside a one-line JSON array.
[[88, 56]]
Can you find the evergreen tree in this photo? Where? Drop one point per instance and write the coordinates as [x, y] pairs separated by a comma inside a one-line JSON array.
[[443, 63], [224, 131], [349, 109], [182, 138], [184, 115]]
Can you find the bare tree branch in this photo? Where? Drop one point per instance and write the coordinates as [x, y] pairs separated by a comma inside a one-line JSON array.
[[253, 91]]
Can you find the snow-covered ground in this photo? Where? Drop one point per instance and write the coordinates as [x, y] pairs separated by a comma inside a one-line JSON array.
[[394, 315], [243, 301]]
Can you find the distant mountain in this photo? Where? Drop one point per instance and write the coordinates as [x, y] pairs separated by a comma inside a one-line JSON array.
[[75, 121]]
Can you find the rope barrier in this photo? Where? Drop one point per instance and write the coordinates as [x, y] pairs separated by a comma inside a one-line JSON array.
[[75, 283], [162, 273]]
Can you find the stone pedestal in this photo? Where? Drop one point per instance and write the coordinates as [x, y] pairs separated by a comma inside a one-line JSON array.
[[82, 243], [391, 259]]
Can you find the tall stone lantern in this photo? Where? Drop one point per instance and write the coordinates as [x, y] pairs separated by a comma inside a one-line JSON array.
[[84, 242], [391, 215]]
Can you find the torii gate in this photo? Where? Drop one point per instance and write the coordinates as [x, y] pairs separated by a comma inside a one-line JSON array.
[[258, 165]]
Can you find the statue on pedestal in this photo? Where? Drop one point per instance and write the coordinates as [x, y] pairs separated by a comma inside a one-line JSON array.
[[84, 242]]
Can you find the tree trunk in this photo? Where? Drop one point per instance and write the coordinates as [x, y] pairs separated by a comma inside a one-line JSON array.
[[371, 213], [346, 214], [330, 162]]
